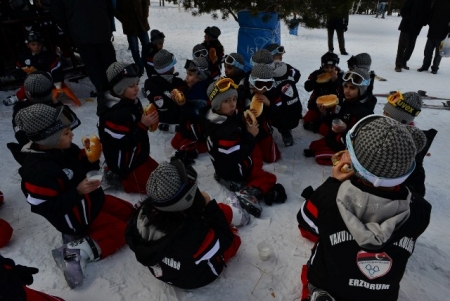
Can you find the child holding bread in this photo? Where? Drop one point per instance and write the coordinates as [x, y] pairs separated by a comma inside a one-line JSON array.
[[56, 186], [123, 129], [327, 80], [234, 149], [158, 89], [355, 106]]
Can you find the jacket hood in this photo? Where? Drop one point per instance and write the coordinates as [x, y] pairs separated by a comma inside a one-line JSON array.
[[370, 219], [213, 117]]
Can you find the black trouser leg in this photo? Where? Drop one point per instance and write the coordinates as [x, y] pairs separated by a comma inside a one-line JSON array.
[[341, 39], [330, 33]]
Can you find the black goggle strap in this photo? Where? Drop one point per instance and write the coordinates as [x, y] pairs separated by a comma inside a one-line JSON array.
[[129, 71], [260, 84], [228, 59], [397, 100], [228, 84], [191, 66]]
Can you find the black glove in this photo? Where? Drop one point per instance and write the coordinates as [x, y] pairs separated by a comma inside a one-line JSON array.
[[345, 28], [25, 274]]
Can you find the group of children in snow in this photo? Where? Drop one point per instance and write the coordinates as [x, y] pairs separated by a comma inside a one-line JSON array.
[[183, 236]]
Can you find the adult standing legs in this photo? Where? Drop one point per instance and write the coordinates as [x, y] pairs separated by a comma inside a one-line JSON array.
[[341, 41], [134, 47], [403, 41], [330, 32], [409, 50]]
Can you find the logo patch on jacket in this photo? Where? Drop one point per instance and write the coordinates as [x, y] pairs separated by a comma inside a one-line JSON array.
[[157, 271], [27, 62], [68, 172], [159, 101], [373, 265], [287, 90]]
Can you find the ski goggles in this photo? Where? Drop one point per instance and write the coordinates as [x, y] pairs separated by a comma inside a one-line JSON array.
[[278, 50], [200, 53], [222, 85], [356, 79], [129, 71], [261, 84], [64, 118], [397, 100], [192, 66], [360, 171], [229, 60]]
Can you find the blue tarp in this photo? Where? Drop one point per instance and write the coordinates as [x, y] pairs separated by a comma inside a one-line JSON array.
[[255, 32]]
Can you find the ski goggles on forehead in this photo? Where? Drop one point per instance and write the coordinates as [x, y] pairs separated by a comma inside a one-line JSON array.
[[192, 66], [200, 53], [360, 171], [356, 79], [65, 118], [278, 50], [129, 71], [222, 85], [229, 60], [397, 100], [261, 84]]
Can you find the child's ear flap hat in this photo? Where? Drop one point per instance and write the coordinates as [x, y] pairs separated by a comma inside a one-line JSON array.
[[121, 75]]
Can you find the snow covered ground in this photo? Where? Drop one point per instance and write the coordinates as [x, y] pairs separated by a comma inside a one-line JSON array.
[[121, 277]]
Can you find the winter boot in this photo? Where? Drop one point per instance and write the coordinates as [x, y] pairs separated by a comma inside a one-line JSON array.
[[187, 156], [248, 197], [240, 216], [288, 140], [171, 128], [10, 100], [320, 295], [111, 180], [71, 258], [276, 195], [230, 185]]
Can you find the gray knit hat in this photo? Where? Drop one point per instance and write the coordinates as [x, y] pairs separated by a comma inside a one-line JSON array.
[[172, 186], [163, 61], [365, 75], [199, 47], [363, 60], [218, 97], [262, 56], [156, 37], [405, 110], [238, 58], [385, 147], [198, 65], [213, 31], [113, 71], [38, 87], [262, 71], [44, 124]]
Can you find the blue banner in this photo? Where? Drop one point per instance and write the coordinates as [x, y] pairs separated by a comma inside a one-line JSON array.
[[255, 32]]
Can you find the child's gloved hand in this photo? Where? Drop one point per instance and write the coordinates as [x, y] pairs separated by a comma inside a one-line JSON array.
[[25, 274]]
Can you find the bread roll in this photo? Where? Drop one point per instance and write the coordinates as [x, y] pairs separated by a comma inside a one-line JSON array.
[[92, 147], [328, 101], [250, 118], [256, 105], [147, 111], [323, 78], [178, 96]]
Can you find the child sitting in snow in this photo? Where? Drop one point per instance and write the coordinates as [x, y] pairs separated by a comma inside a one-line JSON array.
[[35, 58], [123, 129], [231, 144], [277, 52], [404, 108], [158, 90], [366, 222], [234, 67], [55, 185], [149, 51], [179, 233], [355, 105], [213, 45], [5, 229], [363, 61], [190, 139], [313, 119]]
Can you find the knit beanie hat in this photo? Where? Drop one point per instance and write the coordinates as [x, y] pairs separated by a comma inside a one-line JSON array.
[[261, 71], [365, 75], [156, 37], [163, 61], [329, 59], [406, 109], [199, 47], [44, 124], [361, 60], [262, 56], [114, 70], [213, 31], [217, 99], [238, 58], [172, 186], [385, 148], [198, 65], [38, 87]]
